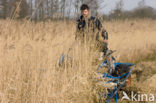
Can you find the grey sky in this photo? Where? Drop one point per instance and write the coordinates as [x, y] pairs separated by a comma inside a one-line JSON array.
[[128, 5]]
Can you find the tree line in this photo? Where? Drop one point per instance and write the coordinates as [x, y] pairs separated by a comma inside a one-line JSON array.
[[44, 9], [141, 11], [67, 9]]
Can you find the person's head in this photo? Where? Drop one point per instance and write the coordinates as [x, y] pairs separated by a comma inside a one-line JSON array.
[[85, 10]]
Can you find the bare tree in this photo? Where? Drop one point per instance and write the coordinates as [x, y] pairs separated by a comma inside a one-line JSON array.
[[118, 10], [36, 10], [24, 9], [4, 4], [41, 10], [31, 6], [141, 4], [119, 5], [63, 6], [77, 6], [69, 8], [47, 8]]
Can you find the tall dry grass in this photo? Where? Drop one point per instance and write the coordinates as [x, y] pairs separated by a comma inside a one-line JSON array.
[[29, 70]]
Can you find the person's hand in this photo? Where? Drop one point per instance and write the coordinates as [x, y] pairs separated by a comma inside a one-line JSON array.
[[106, 41]]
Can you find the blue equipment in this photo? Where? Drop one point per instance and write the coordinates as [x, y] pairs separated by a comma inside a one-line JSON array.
[[120, 80]]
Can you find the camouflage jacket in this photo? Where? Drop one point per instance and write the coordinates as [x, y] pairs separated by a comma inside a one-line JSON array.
[[90, 29]]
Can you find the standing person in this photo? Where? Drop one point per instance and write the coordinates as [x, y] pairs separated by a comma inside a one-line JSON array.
[[91, 31]]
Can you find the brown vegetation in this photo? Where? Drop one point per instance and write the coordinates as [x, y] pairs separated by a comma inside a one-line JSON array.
[[29, 70]]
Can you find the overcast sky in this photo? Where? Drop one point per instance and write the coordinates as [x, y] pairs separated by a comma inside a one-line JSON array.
[[128, 5]]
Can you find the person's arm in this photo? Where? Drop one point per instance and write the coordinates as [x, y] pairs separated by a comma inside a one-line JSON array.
[[100, 27], [104, 34], [80, 24], [79, 27]]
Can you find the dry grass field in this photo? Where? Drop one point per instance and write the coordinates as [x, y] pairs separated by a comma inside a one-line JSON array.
[[29, 71]]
